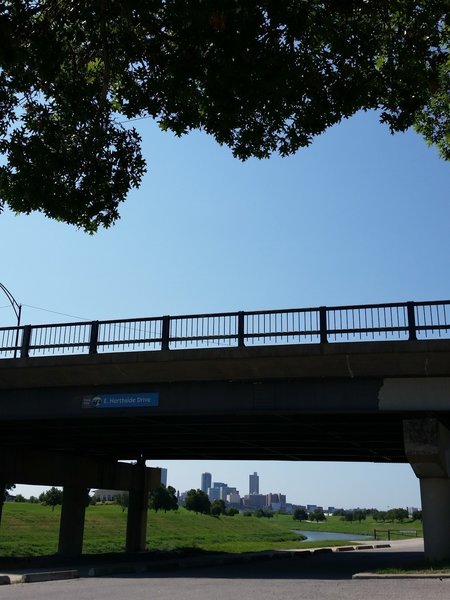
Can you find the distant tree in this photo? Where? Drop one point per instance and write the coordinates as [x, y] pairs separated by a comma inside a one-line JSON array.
[[218, 508], [163, 498], [359, 515], [380, 515], [51, 497], [230, 512], [390, 514], [260, 512], [401, 514], [347, 516], [300, 514], [19, 498], [416, 515], [33, 500], [197, 501], [8, 486], [317, 515], [122, 500]]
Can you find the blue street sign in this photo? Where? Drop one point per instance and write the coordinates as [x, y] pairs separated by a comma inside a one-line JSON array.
[[136, 400]]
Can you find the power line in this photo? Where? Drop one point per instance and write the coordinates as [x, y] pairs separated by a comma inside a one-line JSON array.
[[56, 312], [136, 119]]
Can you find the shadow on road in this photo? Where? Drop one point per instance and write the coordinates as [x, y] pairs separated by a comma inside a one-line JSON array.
[[333, 566], [303, 565]]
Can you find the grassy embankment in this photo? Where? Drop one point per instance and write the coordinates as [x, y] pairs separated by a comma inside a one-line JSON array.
[[32, 529]]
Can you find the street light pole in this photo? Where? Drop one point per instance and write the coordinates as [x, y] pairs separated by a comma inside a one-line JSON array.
[[17, 309]]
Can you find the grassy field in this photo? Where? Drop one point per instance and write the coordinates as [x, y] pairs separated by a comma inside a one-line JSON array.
[[32, 530]]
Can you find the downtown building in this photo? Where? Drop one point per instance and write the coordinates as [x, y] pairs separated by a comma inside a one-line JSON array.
[[206, 482], [276, 501], [253, 484]]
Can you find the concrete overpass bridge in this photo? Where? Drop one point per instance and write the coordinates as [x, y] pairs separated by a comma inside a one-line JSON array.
[[354, 383]]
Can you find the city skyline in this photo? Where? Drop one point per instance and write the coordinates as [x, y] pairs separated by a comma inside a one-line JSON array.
[[391, 499], [319, 491]]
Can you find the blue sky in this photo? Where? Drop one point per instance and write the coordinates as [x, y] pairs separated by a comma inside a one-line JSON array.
[[359, 217]]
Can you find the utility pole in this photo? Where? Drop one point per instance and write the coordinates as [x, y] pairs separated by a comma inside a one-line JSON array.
[[17, 309]]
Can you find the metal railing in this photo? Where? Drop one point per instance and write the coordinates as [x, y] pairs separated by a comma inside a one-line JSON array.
[[388, 534], [373, 322]]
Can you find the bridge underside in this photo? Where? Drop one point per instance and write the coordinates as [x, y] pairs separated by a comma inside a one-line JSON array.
[[334, 419], [314, 402], [361, 402], [328, 437]]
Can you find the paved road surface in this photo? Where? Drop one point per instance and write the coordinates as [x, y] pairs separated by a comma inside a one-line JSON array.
[[323, 577]]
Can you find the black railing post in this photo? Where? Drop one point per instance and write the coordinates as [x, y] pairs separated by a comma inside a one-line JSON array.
[[26, 337], [323, 324], [411, 321], [241, 329], [165, 333], [94, 338]]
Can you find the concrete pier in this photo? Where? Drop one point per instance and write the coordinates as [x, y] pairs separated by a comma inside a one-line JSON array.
[[71, 528], [427, 446]]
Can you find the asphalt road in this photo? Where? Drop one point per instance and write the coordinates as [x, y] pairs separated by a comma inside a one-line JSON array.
[[322, 577]]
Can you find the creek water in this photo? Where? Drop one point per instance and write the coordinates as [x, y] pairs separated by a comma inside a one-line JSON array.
[[319, 536]]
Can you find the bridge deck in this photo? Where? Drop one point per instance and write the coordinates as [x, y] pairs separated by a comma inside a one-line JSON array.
[[303, 402]]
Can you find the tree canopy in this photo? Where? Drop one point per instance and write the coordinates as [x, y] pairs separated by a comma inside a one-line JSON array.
[[300, 514], [197, 501], [261, 77], [51, 497], [317, 515], [218, 508], [163, 498]]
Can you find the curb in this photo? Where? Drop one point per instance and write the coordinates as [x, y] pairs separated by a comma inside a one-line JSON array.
[[401, 576], [39, 577], [50, 576], [323, 551]]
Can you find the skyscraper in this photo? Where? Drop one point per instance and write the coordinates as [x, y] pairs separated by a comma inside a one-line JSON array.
[[164, 477], [206, 482], [253, 485]]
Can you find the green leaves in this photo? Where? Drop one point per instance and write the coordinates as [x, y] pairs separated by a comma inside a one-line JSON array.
[[260, 77], [51, 497], [163, 498], [197, 501], [433, 122]]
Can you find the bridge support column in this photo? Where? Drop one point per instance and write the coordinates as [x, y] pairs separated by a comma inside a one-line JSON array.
[[2, 498], [143, 481], [71, 528], [427, 446]]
